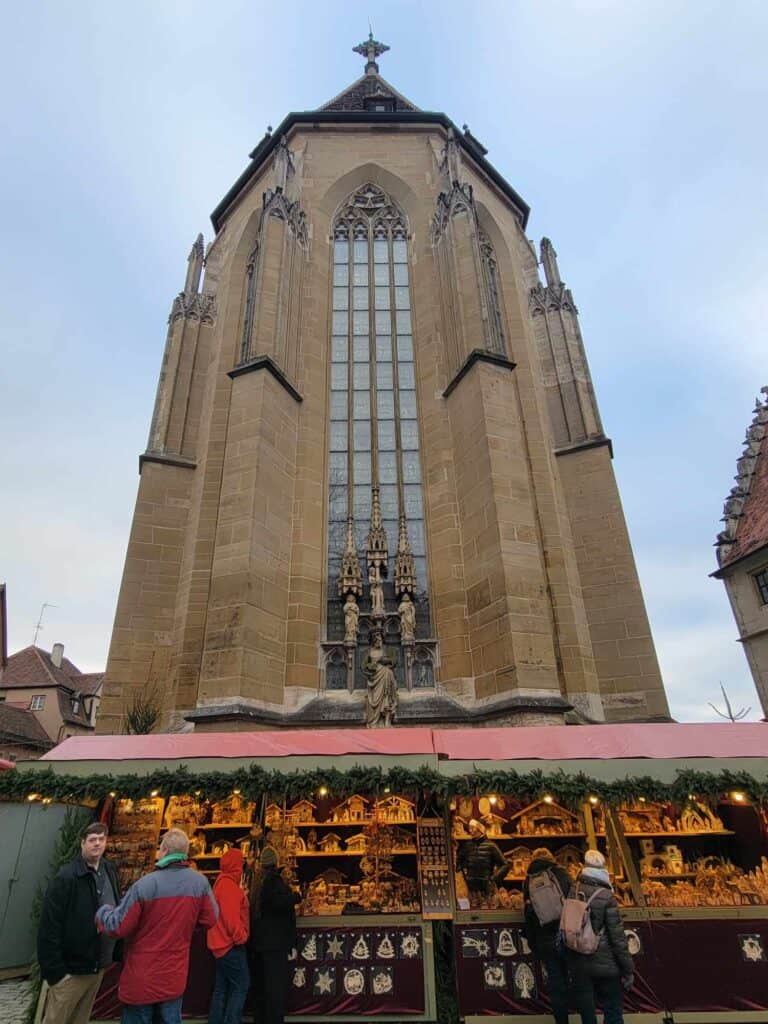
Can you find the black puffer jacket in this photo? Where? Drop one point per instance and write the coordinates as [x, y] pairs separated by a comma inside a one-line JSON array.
[[273, 925], [612, 956], [67, 940], [541, 937], [481, 861]]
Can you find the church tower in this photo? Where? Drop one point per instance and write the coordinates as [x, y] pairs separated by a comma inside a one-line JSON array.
[[377, 485]]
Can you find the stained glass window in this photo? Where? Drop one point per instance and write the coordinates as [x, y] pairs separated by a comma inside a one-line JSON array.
[[374, 430]]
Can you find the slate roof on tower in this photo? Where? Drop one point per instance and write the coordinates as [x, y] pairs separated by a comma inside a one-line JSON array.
[[366, 89], [746, 507]]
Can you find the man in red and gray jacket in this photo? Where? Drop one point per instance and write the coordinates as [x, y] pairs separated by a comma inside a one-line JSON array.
[[156, 918]]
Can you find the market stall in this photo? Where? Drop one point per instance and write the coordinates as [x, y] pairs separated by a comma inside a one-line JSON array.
[[372, 825]]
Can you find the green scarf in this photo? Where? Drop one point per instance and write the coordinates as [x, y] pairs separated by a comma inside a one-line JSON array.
[[170, 858]]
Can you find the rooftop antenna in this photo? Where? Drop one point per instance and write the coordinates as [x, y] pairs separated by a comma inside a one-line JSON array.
[[730, 715], [39, 626]]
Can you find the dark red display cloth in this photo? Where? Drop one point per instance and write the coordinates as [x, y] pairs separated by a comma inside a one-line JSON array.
[[683, 966], [548, 743], [407, 996]]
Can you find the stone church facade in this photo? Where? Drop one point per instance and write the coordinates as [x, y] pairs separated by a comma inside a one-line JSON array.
[[376, 455]]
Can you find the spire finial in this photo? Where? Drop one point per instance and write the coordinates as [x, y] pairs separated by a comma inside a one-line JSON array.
[[370, 48]]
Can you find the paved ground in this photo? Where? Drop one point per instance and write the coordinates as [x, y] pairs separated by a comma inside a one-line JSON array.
[[14, 1000]]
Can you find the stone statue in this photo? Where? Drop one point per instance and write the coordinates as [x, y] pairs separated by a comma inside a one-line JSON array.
[[381, 695], [351, 619], [407, 612], [377, 592]]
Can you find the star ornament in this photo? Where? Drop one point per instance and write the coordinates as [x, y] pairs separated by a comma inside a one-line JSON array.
[[335, 947], [323, 983]]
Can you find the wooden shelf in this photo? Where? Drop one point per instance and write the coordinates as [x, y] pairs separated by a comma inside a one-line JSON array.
[[672, 835], [199, 828], [347, 824], [667, 876], [525, 835], [350, 853]]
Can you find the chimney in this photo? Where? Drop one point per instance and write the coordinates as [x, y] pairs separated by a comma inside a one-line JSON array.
[[57, 655]]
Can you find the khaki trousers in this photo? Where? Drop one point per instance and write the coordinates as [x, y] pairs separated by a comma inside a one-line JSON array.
[[71, 1001]]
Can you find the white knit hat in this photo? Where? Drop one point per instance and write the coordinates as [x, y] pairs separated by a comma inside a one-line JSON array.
[[594, 859]]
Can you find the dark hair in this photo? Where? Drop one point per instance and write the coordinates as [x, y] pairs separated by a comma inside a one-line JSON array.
[[96, 828]]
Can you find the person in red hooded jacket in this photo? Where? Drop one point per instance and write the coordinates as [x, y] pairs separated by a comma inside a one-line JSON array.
[[226, 940]]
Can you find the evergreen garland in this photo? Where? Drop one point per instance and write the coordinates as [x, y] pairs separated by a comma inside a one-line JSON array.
[[253, 782]]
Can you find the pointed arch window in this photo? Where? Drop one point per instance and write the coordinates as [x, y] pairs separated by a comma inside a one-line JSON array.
[[251, 280], [374, 432], [493, 292]]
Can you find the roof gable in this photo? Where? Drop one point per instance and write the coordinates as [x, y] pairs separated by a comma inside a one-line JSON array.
[[22, 726], [367, 86], [32, 666]]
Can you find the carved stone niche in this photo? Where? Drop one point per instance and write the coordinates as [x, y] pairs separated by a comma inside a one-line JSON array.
[[415, 663]]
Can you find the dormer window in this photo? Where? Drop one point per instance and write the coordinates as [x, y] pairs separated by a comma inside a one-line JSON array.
[[380, 104]]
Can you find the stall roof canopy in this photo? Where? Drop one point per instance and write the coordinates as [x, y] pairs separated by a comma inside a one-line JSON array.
[[546, 743]]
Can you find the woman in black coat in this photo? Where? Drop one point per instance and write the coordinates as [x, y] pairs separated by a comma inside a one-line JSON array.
[[273, 936], [601, 975]]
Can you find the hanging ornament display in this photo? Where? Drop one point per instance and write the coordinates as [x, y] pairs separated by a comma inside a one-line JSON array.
[[474, 943], [494, 975], [410, 946], [361, 949], [386, 948], [382, 981], [354, 982], [334, 946], [505, 943], [524, 982], [324, 981], [299, 977]]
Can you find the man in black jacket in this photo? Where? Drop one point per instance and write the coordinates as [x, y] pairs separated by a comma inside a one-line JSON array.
[[273, 936], [542, 937], [480, 861], [71, 953]]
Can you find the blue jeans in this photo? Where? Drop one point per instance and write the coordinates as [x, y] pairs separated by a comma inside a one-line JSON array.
[[233, 980], [168, 1012]]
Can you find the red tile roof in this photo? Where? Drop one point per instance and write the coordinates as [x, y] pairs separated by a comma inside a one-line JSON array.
[[32, 666], [22, 727]]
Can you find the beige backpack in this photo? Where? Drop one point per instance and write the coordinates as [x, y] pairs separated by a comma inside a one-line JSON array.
[[576, 929]]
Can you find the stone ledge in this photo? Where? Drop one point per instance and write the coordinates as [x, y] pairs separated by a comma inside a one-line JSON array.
[[266, 363], [580, 446], [166, 460], [477, 355], [414, 709]]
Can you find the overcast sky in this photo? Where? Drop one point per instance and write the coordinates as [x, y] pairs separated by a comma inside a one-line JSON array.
[[635, 131]]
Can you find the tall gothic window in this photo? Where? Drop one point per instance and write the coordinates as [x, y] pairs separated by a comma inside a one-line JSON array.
[[374, 431], [250, 304], [491, 274]]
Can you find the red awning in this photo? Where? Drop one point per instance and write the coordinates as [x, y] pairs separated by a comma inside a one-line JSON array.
[[545, 743], [287, 743], [604, 742]]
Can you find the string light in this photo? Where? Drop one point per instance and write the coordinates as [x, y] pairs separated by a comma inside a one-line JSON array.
[[236, 792], [154, 792], [738, 797], [322, 791], [493, 799], [113, 794], [594, 801], [31, 797], [548, 799]]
